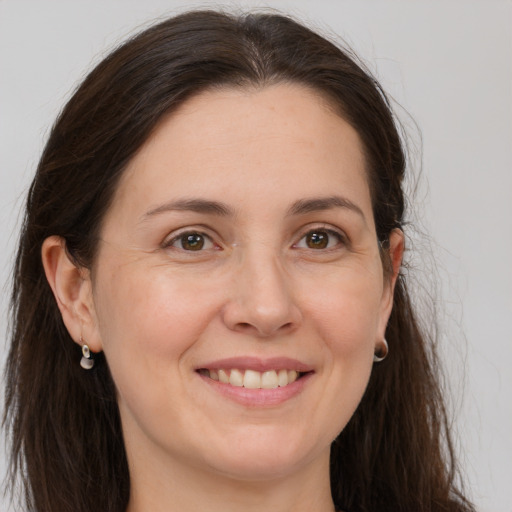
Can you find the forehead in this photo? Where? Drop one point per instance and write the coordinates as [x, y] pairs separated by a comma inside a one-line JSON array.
[[246, 142]]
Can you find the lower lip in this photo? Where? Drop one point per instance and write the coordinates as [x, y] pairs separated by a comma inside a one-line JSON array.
[[258, 397]]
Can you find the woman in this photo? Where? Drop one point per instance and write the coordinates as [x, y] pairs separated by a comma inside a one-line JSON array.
[[208, 284]]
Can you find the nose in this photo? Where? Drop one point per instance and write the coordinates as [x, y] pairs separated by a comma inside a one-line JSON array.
[[261, 302]]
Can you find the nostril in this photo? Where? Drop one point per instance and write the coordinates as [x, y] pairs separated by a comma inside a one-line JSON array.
[[247, 328], [263, 330]]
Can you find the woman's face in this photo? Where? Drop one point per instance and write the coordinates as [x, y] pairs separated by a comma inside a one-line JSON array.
[[241, 247]]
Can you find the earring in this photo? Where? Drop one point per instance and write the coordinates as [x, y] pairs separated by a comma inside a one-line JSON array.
[[381, 354], [87, 362]]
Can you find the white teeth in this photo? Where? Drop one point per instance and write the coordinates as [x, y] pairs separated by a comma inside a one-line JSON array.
[[269, 380], [282, 378], [236, 378], [292, 376], [252, 379]]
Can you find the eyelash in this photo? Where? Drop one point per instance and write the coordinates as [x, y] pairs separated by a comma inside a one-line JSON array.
[[331, 233], [341, 240], [190, 233]]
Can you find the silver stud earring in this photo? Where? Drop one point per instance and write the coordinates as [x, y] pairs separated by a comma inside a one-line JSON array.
[[87, 362], [382, 353]]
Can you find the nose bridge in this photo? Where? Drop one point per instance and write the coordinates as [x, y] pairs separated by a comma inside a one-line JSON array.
[[268, 284], [262, 300]]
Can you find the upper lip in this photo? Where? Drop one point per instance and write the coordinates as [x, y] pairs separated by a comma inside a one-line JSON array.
[[257, 364]]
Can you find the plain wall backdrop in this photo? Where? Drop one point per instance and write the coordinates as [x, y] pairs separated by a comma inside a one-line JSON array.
[[447, 63]]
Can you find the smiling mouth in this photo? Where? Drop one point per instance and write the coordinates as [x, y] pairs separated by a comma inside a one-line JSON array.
[[252, 379]]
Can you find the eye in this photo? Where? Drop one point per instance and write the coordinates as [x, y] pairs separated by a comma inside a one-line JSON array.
[[320, 239], [191, 241]]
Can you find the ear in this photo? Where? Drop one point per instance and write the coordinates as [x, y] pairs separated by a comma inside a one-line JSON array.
[[395, 254], [72, 288]]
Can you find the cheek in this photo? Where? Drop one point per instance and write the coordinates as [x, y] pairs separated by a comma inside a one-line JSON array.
[[148, 318], [347, 310], [149, 321], [346, 316]]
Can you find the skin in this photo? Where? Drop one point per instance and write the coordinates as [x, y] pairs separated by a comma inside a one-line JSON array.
[[258, 287]]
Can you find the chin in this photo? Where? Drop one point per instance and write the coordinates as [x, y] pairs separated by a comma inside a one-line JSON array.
[[258, 470], [263, 459]]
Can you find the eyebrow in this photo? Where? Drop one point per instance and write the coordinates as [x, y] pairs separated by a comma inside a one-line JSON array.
[[318, 204], [195, 205], [300, 207]]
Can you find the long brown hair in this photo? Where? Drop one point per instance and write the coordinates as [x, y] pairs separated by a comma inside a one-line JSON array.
[[394, 455]]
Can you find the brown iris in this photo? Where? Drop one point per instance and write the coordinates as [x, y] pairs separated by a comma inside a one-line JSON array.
[[317, 240], [192, 242]]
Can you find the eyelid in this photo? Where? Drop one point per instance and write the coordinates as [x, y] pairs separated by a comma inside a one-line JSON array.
[[173, 237], [327, 228]]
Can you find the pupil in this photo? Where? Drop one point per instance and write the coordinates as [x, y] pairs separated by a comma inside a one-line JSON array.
[[317, 240], [193, 242]]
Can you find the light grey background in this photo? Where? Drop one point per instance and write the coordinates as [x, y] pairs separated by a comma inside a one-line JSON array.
[[448, 63]]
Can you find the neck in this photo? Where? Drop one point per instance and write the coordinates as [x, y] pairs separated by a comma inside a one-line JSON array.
[[182, 488]]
